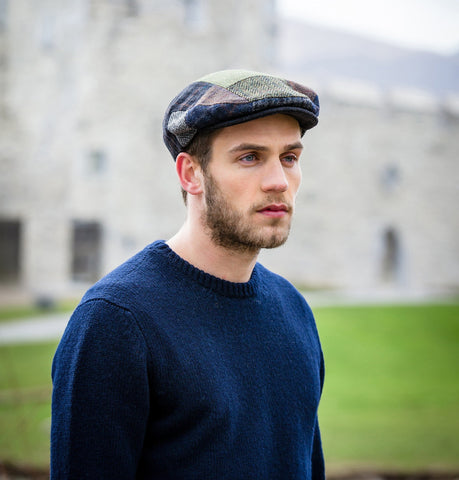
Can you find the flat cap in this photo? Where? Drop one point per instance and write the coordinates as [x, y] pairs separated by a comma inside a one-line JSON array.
[[230, 97]]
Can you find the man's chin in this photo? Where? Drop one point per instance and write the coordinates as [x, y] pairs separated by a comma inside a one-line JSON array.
[[252, 244], [276, 236], [275, 242]]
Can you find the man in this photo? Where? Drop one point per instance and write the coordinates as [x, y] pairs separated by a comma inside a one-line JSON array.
[[191, 360]]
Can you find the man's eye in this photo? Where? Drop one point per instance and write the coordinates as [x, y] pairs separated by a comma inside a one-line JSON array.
[[289, 159], [250, 158]]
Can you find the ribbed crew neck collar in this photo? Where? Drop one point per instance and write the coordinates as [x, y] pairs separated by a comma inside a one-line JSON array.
[[223, 287]]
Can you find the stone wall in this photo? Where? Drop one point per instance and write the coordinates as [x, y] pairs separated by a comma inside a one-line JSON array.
[[377, 206], [84, 88]]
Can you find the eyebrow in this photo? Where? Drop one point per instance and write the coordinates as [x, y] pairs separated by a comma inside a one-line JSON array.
[[261, 148], [294, 146]]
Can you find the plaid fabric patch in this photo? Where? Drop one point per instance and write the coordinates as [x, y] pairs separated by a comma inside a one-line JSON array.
[[234, 96], [255, 88], [216, 94]]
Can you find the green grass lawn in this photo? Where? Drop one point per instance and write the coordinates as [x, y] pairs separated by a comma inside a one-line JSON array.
[[25, 406], [391, 397]]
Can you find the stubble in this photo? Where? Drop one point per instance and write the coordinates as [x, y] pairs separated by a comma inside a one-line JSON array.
[[229, 229]]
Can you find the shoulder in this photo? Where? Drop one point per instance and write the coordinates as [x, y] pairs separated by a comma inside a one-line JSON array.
[[131, 281], [135, 295], [281, 289], [100, 321], [290, 306], [110, 306], [269, 279]]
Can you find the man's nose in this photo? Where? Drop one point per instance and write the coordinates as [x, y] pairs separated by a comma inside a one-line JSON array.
[[274, 178]]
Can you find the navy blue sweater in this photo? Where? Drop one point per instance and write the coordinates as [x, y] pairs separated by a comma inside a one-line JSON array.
[[166, 372]]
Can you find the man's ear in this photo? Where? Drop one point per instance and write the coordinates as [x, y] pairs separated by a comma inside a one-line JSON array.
[[189, 173]]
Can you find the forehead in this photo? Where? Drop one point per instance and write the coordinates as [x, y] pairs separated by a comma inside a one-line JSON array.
[[278, 128]]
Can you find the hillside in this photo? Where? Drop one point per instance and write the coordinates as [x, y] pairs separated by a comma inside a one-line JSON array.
[[328, 54]]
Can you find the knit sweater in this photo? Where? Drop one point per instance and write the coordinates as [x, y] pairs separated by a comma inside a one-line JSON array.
[[166, 372]]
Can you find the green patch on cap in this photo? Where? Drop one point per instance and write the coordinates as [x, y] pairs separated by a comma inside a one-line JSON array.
[[226, 78]]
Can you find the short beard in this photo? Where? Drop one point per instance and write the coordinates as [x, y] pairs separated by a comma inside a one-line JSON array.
[[228, 228]]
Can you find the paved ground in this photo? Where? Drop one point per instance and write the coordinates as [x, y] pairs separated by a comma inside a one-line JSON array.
[[42, 328]]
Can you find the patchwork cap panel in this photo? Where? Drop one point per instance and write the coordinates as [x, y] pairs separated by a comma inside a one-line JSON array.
[[230, 97], [226, 78]]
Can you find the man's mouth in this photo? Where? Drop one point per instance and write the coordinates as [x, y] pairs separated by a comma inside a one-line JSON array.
[[275, 210]]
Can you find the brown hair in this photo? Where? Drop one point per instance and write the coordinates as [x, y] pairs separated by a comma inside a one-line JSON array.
[[201, 148]]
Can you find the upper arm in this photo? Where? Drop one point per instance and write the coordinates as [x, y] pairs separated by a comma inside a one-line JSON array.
[[100, 395]]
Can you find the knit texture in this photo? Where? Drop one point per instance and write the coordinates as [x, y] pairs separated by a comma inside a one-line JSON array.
[[230, 97], [166, 372]]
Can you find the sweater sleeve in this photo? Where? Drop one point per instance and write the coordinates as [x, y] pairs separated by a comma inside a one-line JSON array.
[[317, 459], [100, 400]]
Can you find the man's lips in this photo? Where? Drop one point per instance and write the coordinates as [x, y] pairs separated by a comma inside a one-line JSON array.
[[274, 210]]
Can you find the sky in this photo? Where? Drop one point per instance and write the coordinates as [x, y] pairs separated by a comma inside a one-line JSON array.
[[431, 25]]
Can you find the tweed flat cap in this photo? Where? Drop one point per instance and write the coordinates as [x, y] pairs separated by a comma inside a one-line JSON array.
[[230, 97]]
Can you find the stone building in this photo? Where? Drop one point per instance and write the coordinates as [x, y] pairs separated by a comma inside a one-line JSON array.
[[379, 194], [85, 180]]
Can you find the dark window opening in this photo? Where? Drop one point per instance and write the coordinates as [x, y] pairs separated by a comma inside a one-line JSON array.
[[3, 14], [87, 251], [97, 161], [132, 8], [48, 32], [391, 256], [10, 251], [390, 177]]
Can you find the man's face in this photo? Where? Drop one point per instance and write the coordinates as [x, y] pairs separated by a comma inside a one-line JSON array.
[[251, 183]]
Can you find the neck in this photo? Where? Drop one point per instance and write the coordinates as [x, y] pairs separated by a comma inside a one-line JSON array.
[[195, 246]]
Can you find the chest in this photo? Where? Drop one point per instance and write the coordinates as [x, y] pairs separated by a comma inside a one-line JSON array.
[[240, 372]]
